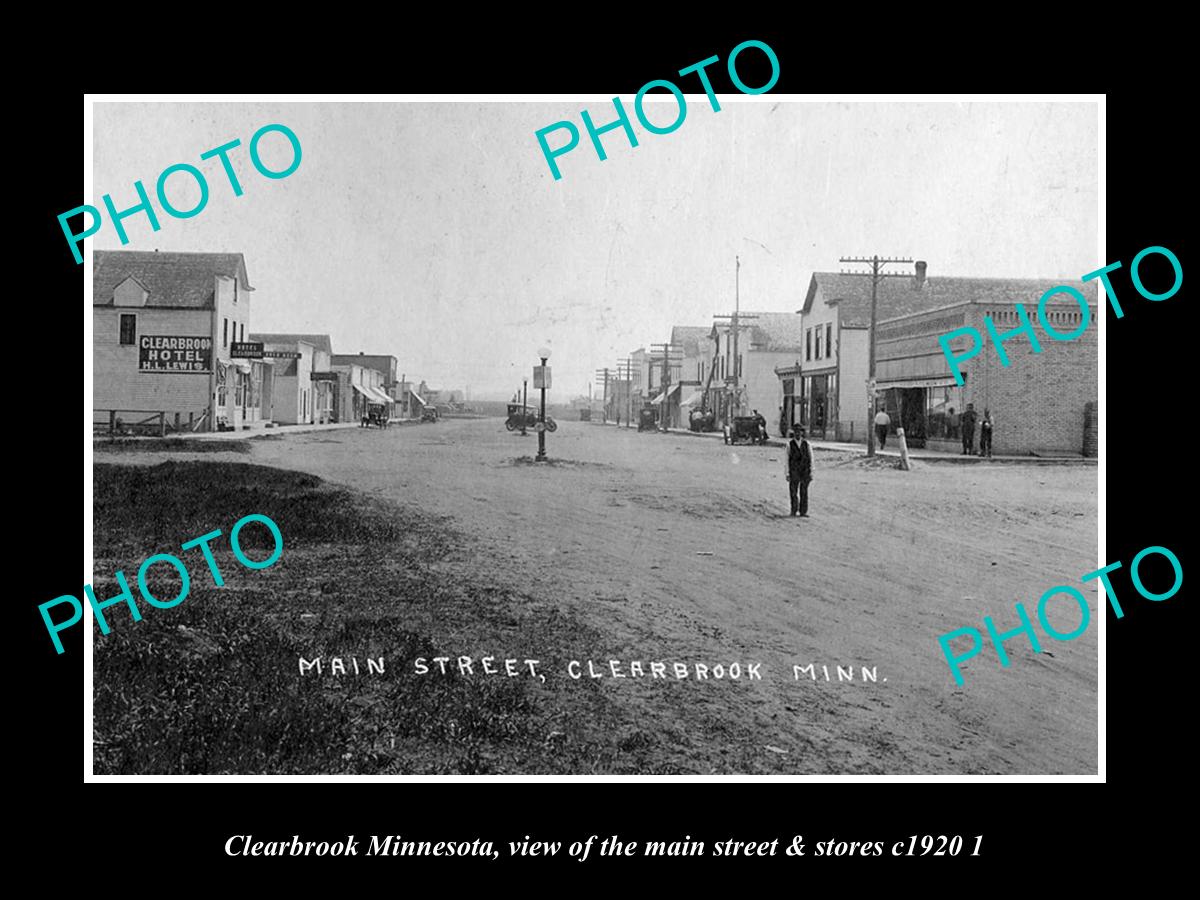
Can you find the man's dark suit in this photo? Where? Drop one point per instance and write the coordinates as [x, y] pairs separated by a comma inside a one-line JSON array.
[[799, 475]]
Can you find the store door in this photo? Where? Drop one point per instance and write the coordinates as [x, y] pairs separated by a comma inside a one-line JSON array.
[[819, 406]]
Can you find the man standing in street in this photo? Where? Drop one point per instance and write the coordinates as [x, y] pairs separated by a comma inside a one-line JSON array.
[[968, 429], [882, 421], [799, 472]]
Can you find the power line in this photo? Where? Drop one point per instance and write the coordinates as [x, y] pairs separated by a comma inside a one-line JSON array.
[[876, 275]]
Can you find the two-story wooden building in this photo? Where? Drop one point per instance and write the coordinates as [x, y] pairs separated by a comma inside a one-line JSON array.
[[163, 328]]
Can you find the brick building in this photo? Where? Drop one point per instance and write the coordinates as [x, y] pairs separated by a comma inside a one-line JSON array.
[[1041, 403]]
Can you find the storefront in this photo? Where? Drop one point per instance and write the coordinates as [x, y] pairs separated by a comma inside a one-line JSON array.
[[817, 405], [789, 410], [927, 409]]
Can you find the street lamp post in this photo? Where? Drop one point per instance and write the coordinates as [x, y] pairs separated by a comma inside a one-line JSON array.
[[542, 377], [524, 406]]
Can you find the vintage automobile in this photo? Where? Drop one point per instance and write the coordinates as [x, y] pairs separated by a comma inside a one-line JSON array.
[[375, 415], [745, 429], [702, 420], [515, 412], [430, 414], [513, 422], [648, 419]]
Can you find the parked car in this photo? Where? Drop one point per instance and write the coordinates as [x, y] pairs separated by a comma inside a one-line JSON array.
[[516, 412], [430, 414], [745, 429], [648, 419]]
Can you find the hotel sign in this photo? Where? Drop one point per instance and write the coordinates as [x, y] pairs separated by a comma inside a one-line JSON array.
[[246, 349], [174, 354]]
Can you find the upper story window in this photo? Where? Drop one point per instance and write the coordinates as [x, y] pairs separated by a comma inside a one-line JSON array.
[[225, 334], [829, 339], [808, 344], [128, 328], [818, 342], [235, 289]]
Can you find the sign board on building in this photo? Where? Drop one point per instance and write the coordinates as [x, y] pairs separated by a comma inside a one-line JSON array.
[[541, 377], [280, 354], [246, 349], [175, 354], [324, 376]]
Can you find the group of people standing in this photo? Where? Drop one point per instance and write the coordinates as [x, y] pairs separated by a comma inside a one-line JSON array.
[[966, 421], [985, 431]]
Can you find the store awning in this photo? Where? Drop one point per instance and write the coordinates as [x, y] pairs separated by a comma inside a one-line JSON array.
[[417, 397], [695, 398], [944, 381], [364, 392], [243, 364], [663, 395], [380, 396]]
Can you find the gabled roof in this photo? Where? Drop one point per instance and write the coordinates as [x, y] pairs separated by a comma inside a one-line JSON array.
[[773, 332], [172, 280], [689, 338], [320, 341], [767, 331], [897, 296]]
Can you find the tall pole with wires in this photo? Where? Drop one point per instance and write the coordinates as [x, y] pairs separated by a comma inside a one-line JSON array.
[[876, 274]]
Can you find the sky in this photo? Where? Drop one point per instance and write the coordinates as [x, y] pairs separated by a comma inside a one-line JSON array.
[[436, 232]]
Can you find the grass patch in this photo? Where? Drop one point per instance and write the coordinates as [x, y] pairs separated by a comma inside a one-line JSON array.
[[212, 685]]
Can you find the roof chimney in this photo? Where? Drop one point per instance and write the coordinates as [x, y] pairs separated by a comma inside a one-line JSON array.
[[919, 279]]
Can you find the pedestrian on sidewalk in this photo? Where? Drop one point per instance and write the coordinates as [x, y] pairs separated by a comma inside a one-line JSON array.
[[882, 422], [968, 429], [985, 434], [799, 470]]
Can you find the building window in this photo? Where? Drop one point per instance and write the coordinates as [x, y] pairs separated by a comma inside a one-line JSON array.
[[128, 328], [808, 344], [739, 366], [242, 332], [829, 339], [818, 342], [235, 289], [225, 334]]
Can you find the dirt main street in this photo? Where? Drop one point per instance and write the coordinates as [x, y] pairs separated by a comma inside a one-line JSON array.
[[679, 549], [671, 549]]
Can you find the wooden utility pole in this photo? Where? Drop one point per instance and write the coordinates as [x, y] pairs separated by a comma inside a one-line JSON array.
[[603, 373], [625, 372], [735, 324], [671, 357], [876, 275]]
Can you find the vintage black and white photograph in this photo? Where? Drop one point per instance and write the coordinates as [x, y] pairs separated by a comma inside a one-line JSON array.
[[525, 437]]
